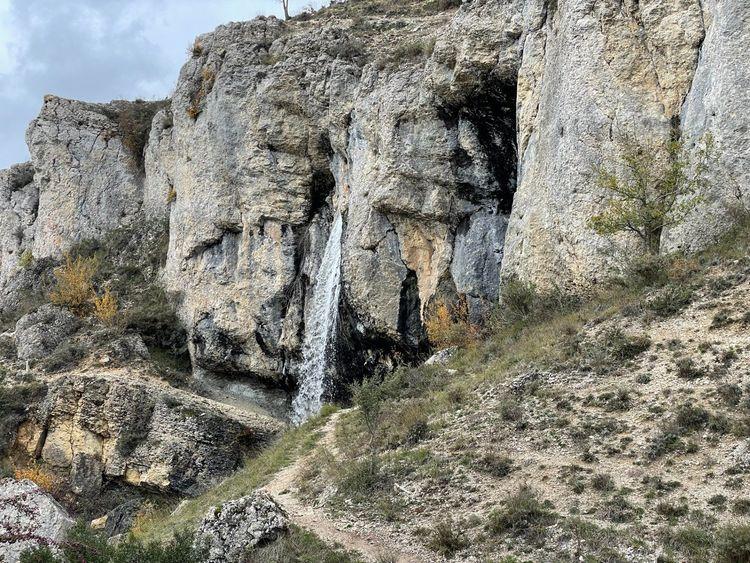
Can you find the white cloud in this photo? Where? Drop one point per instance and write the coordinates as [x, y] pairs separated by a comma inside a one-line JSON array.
[[99, 50]]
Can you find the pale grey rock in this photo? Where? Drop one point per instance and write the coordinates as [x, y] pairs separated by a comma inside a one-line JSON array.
[[442, 357], [227, 532], [717, 106], [593, 73], [39, 333], [124, 425], [19, 199], [29, 518], [88, 181]]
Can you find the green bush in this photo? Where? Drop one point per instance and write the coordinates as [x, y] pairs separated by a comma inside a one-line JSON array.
[[83, 544], [670, 300], [134, 122]]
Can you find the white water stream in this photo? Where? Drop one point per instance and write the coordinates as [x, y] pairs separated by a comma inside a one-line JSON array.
[[320, 329]]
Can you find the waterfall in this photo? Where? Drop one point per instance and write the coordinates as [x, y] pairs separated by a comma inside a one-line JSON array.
[[320, 329]]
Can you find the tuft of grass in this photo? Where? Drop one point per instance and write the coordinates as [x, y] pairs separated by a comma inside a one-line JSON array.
[[447, 539], [733, 544], [299, 545], [523, 514]]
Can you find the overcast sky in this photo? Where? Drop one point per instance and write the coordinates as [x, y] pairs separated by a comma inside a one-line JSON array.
[[99, 50]]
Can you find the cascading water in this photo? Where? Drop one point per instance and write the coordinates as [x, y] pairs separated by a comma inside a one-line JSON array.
[[320, 329]]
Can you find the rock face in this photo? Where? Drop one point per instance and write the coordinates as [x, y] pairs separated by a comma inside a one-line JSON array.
[[593, 73], [29, 517], [40, 332], [227, 532], [124, 426], [457, 146], [717, 105]]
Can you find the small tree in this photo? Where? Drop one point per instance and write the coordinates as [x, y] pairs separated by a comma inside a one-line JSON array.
[[285, 4], [652, 187]]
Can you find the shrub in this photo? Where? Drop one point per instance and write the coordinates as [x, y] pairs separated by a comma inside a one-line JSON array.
[[496, 465], [446, 539], [412, 50], [84, 544], [670, 300], [105, 307], [621, 346], [523, 514], [368, 396], [618, 509], [733, 544], [449, 325], [196, 49], [692, 541], [687, 368], [672, 511], [510, 410], [741, 506], [362, 478], [74, 284], [405, 423], [603, 482], [689, 418], [522, 301]]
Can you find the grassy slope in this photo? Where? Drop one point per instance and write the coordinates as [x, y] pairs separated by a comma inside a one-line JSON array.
[[621, 414]]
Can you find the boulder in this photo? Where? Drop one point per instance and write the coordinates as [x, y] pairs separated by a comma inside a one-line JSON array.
[[29, 517], [39, 333], [228, 531]]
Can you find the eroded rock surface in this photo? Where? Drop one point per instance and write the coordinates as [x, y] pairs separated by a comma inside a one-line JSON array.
[[122, 425]]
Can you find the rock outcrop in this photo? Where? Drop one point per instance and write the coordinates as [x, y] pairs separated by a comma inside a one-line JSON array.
[[39, 333], [457, 145], [29, 518], [227, 532], [121, 425]]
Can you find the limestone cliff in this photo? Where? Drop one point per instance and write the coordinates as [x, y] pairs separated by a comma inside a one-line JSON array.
[[457, 144]]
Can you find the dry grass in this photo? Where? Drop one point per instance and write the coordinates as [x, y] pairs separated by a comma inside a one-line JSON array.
[[106, 307], [449, 325], [74, 287], [44, 479]]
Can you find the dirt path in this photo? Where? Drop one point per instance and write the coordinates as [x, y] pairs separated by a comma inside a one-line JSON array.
[[283, 489]]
